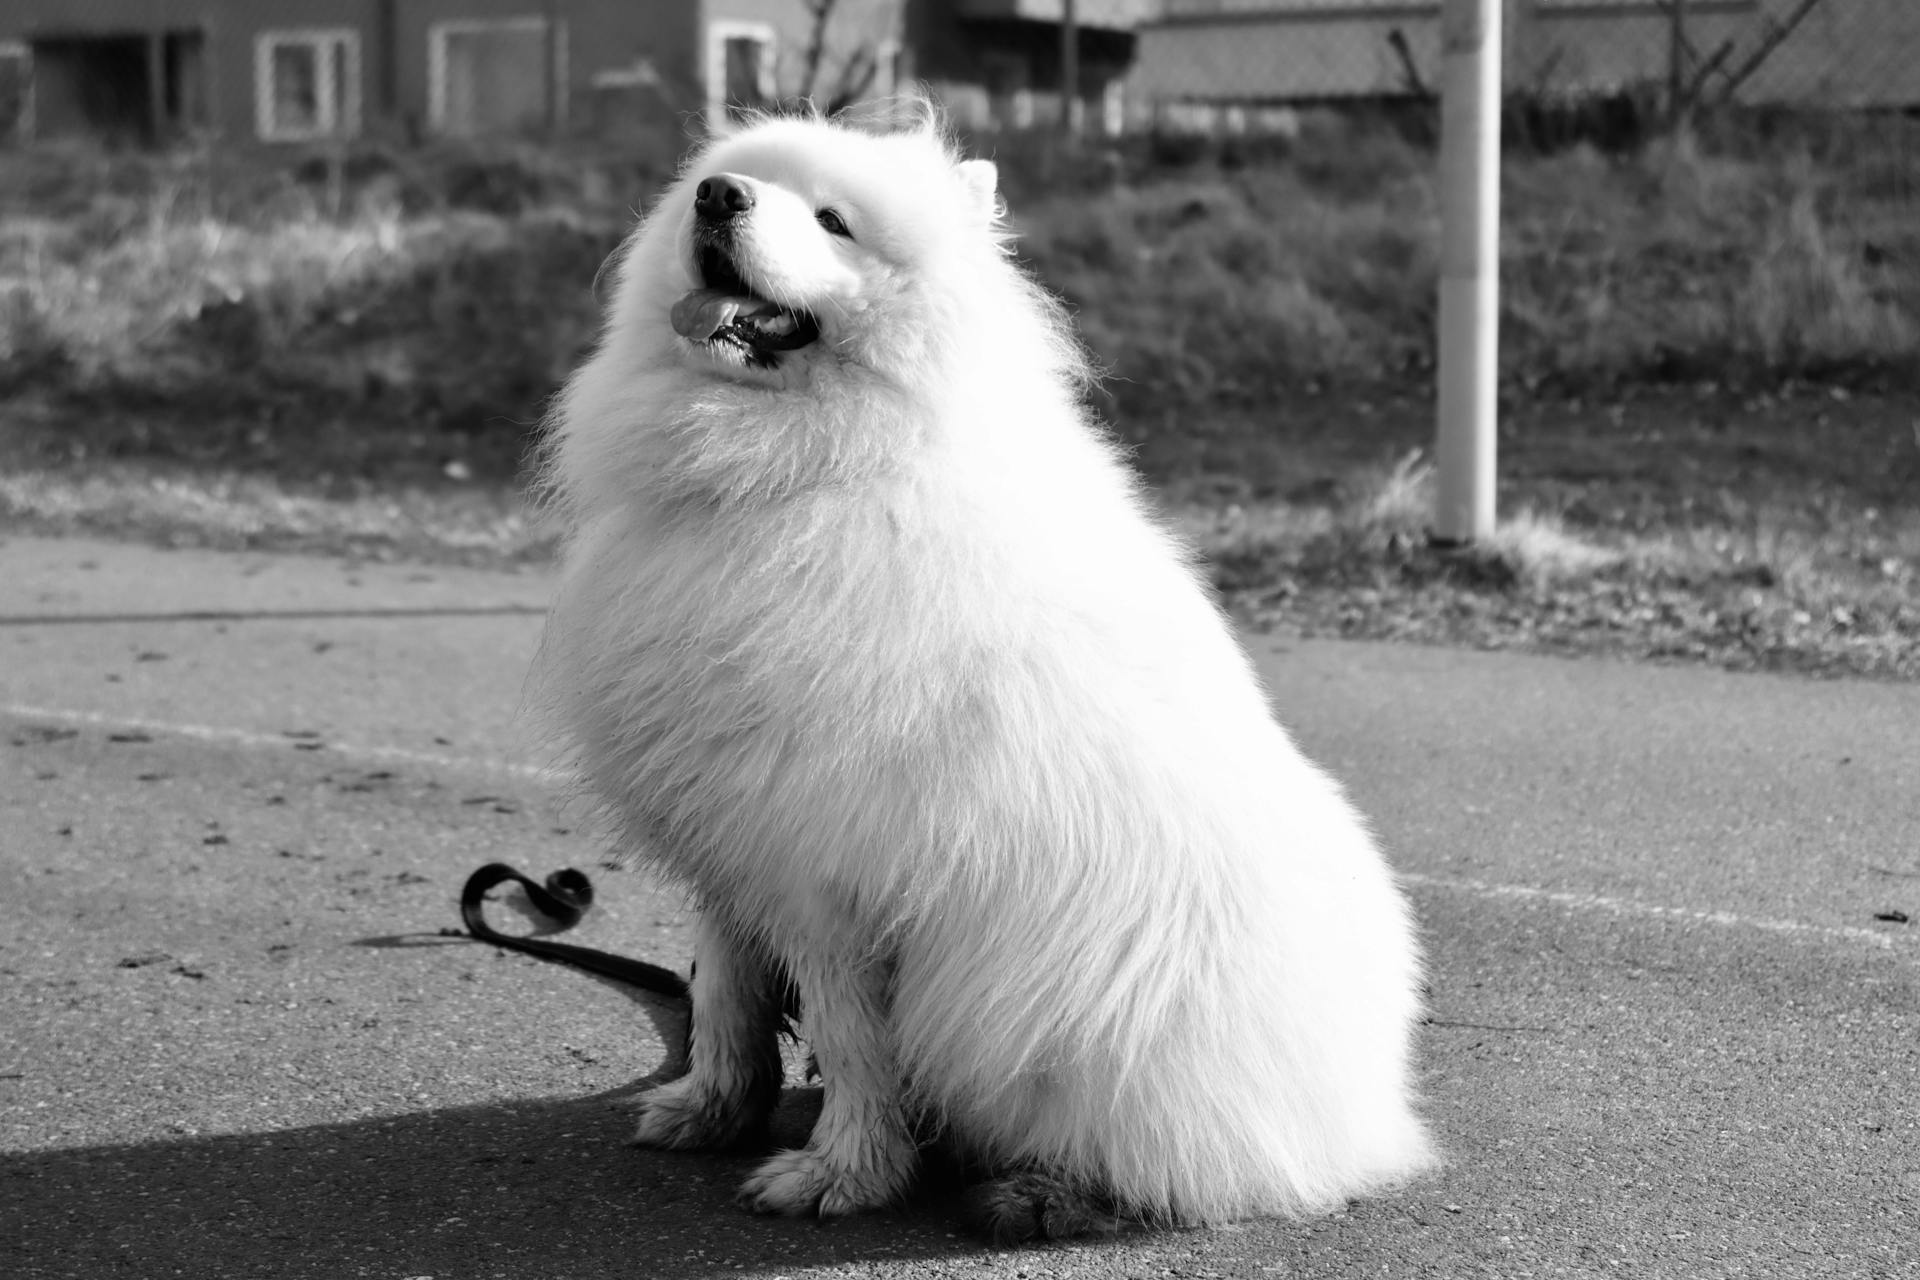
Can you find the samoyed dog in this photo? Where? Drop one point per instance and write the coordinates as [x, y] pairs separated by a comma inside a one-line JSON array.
[[866, 638]]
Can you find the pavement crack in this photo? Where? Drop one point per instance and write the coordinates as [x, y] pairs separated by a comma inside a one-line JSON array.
[[1483, 1026]]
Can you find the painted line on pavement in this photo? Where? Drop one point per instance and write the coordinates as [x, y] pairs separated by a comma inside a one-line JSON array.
[[480, 764], [1648, 910], [282, 741], [274, 615]]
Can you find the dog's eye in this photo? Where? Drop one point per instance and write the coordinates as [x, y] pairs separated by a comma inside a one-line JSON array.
[[833, 222]]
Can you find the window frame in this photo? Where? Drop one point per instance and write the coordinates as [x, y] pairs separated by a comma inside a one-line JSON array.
[[439, 30], [719, 32], [338, 106]]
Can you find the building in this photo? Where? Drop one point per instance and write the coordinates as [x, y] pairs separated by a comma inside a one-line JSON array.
[[997, 64], [145, 71], [148, 71]]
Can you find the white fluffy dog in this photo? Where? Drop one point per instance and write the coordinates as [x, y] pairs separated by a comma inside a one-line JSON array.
[[866, 638]]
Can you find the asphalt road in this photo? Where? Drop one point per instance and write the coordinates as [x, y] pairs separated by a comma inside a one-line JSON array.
[[238, 795]]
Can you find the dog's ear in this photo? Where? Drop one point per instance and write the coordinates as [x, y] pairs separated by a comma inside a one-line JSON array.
[[979, 184]]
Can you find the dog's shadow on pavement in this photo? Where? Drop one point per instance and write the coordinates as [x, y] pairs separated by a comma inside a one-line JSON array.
[[541, 1188], [669, 1016]]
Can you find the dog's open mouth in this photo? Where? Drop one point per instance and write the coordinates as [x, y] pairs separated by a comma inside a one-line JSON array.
[[727, 316]]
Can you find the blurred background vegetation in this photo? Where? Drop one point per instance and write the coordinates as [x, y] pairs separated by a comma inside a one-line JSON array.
[[446, 291], [1710, 411]]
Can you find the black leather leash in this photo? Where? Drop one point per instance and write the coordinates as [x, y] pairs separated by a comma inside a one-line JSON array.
[[564, 898]]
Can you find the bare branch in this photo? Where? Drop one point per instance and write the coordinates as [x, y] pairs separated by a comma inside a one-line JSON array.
[[1714, 62], [1543, 74], [821, 12], [1777, 32], [1686, 41], [1410, 76], [856, 77]]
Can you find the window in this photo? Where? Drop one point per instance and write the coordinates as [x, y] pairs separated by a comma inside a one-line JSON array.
[[16, 92], [307, 84], [496, 75], [1007, 76], [739, 70]]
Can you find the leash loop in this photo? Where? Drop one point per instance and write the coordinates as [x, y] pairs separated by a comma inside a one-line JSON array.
[[565, 897]]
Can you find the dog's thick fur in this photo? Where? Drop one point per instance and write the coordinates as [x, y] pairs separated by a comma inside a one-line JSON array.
[[873, 647]]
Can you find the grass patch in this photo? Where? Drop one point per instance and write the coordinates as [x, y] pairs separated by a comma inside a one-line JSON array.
[[484, 525], [452, 289], [335, 317], [1778, 597], [422, 319], [1230, 289]]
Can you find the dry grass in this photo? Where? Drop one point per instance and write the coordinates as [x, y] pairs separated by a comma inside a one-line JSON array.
[[1385, 516], [301, 302], [1235, 288], [1771, 593], [1810, 300], [117, 310], [1204, 290], [478, 525]]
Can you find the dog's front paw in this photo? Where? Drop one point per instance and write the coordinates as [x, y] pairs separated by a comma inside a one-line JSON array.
[[804, 1183], [688, 1115]]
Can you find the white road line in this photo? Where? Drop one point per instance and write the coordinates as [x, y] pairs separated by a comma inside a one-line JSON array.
[[1628, 907], [480, 764], [279, 741]]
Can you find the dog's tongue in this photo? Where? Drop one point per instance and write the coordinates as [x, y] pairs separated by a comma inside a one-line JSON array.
[[705, 312]]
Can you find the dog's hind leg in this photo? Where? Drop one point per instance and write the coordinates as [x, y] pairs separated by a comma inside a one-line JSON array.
[[861, 1154], [733, 1077], [1032, 1205]]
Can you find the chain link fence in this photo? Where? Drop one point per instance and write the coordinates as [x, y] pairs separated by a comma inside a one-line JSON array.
[[1246, 64]]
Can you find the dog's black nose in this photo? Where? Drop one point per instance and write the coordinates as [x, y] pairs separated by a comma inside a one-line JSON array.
[[722, 198]]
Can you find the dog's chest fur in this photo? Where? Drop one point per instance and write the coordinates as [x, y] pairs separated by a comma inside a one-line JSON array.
[[771, 686]]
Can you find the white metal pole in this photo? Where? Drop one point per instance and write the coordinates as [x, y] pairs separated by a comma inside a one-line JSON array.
[[1469, 268]]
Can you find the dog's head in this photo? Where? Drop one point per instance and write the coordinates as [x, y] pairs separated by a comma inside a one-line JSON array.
[[800, 243], [811, 301]]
